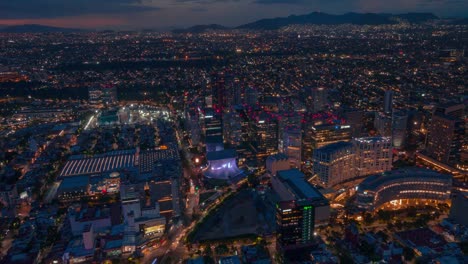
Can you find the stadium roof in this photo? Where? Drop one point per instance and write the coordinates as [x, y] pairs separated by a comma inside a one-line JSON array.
[[376, 180]]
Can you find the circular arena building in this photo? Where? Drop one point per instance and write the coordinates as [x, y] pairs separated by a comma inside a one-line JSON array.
[[408, 183]]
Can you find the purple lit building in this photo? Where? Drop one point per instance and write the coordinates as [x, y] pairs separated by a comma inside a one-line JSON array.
[[222, 164]]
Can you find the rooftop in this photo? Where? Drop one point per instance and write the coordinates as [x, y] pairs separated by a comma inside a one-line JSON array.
[[296, 184], [279, 156], [376, 180], [372, 139], [335, 146], [222, 154]]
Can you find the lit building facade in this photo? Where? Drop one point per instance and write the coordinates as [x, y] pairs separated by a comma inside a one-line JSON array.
[[335, 163], [277, 162], [267, 135], [373, 155], [446, 139], [292, 145], [300, 207], [410, 183], [222, 164], [319, 99], [399, 129], [388, 101], [317, 136]]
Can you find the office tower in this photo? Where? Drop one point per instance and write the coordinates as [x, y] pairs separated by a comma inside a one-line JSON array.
[[317, 136], [213, 123], [247, 126], [399, 128], [383, 124], [277, 162], [335, 163], [234, 92], [94, 95], [319, 99], [445, 139], [292, 145], [450, 109], [232, 127], [251, 96], [267, 135], [388, 102], [218, 92], [192, 124], [373, 155], [300, 207], [355, 118], [287, 119]]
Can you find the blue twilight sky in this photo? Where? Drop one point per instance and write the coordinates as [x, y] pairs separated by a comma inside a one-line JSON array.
[[164, 14]]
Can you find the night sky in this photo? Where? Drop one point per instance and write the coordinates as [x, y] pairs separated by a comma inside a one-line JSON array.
[[164, 14]]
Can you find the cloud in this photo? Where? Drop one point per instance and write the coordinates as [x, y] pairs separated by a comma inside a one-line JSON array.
[[286, 2], [26, 9]]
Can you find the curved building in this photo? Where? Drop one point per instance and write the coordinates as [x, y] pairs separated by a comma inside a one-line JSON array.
[[409, 183]]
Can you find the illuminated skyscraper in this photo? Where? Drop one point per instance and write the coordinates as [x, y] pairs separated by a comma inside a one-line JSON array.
[[334, 163], [399, 128], [373, 155], [301, 206], [383, 124], [267, 135], [321, 135], [292, 145], [319, 99], [446, 139], [388, 102]]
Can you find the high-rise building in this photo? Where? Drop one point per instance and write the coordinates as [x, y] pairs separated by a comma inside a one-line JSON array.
[[300, 207], [373, 155], [355, 118], [317, 136], [319, 99], [277, 162], [234, 92], [251, 96], [232, 127], [450, 109], [218, 92], [292, 145], [388, 102], [446, 139], [383, 124], [399, 128], [267, 135], [335, 163]]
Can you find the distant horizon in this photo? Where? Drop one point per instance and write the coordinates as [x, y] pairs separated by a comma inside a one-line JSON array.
[[51, 23], [171, 14]]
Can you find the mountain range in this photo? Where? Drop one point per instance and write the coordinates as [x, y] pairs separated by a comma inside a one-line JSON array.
[[316, 18], [35, 28], [319, 18]]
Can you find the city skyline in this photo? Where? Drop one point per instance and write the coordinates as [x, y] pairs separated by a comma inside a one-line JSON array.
[[315, 139]]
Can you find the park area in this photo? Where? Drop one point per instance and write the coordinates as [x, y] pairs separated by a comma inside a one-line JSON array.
[[243, 214]]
